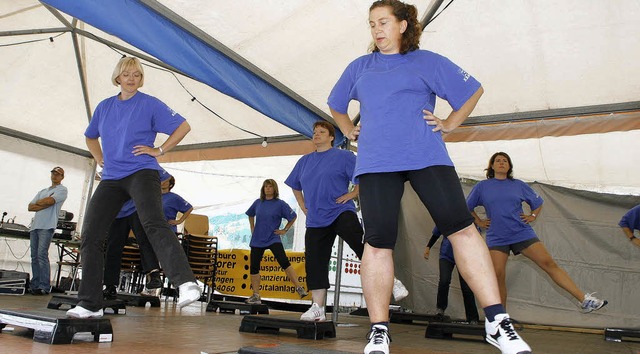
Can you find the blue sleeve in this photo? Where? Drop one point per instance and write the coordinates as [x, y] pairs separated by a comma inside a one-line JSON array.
[[183, 205], [474, 200], [286, 211], [350, 165], [340, 95], [293, 180], [165, 120], [252, 209], [60, 195], [453, 84], [530, 196], [92, 131], [630, 219]]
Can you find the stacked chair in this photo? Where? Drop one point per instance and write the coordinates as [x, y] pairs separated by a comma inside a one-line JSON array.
[[202, 251]]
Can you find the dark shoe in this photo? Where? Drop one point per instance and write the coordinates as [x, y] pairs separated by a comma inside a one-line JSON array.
[[110, 292], [154, 281], [38, 292]]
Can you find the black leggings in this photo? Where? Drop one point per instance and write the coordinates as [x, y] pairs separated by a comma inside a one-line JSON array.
[[278, 252], [438, 187], [318, 242]]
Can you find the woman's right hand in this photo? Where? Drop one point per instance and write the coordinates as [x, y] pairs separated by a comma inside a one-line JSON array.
[[354, 133], [483, 223], [427, 250], [636, 241]]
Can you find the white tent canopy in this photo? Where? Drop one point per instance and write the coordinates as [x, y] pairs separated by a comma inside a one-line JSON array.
[[559, 77]]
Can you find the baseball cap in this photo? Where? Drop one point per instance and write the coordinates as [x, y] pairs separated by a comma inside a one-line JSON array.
[[164, 175], [58, 169]]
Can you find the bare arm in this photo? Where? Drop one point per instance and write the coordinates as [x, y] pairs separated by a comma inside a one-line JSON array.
[[479, 222], [286, 227], [184, 217], [174, 139], [252, 220], [456, 117], [346, 125], [96, 150], [531, 217], [42, 204], [300, 199], [348, 196]]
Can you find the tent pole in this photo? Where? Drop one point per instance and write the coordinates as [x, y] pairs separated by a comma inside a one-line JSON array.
[[336, 291]]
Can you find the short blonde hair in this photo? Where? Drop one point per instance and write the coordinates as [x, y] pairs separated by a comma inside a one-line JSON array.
[[124, 64]]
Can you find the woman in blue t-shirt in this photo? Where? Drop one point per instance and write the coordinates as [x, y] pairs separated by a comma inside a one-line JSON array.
[[400, 140], [120, 137], [265, 217], [509, 230]]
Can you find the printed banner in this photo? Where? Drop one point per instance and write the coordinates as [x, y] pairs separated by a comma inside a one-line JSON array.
[[232, 276]]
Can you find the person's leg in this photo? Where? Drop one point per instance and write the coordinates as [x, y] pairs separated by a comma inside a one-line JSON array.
[[470, 308], [380, 196], [144, 188], [439, 189], [148, 257], [36, 278], [254, 267], [446, 269], [116, 239], [318, 245], [540, 256], [44, 241], [499, 260], [281, 257], [106, 202]]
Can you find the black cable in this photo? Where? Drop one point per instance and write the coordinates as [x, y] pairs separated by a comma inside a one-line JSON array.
[[50, 39]]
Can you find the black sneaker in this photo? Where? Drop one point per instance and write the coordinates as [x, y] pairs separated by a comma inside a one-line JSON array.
[[37, 292], [154, 281], [110, 292]]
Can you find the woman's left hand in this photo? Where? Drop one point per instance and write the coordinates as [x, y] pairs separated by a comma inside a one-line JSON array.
[[438, 124], [527, 219], [344, 198], [280, 232], [143, 149]]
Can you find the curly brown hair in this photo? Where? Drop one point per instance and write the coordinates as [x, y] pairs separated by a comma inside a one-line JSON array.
[[402, 12]]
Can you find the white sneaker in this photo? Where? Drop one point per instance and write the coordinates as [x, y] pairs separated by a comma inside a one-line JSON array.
[[189, 292], [314, 313], [399, 291], [378, 340], [591, 303], [81, 312], [502, 335], [253, 300]]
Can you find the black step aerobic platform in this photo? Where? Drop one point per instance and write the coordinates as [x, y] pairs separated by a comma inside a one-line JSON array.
[[139, 300], [273, 324], [53, 327], [411, 318], [65, 302], [446, 330], [232, 306], [616, 334]]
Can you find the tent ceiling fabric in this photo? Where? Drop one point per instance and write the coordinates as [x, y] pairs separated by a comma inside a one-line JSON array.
[[529, 56]]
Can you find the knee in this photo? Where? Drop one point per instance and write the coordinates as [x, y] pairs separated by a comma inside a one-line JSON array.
[[548, 264]]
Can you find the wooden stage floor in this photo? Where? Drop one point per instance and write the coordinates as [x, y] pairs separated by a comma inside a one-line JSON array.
[[193, 330]]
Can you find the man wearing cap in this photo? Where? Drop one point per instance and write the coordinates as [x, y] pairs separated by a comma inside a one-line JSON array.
[[47, 204]]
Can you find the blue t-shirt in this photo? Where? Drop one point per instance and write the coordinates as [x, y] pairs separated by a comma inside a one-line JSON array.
[[631, 219], [323, 177], [269, 215], [48, 218], [446, 250], [124, 124], [502, 201], [127, 209], [392, 91], [171, 205]]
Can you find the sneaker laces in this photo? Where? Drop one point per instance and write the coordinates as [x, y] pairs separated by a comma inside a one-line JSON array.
[[379, 335], [507, 326]]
